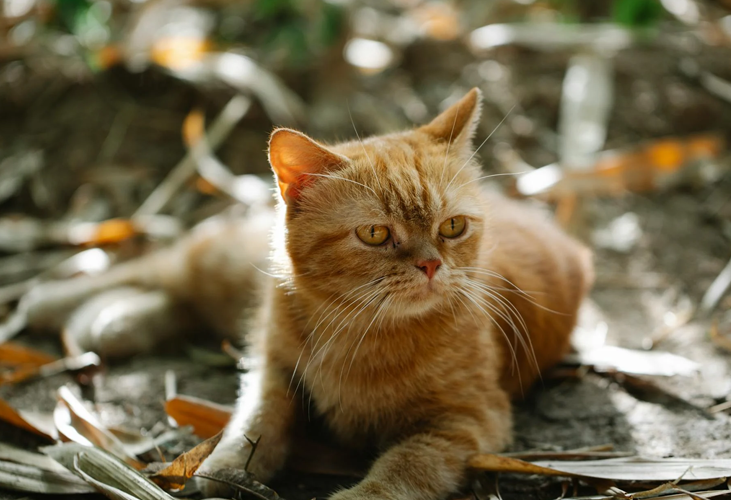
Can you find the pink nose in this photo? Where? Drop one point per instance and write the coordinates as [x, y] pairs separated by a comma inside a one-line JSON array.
[[429, 266]]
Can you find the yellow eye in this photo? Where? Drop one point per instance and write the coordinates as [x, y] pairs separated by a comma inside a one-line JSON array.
[[453, 227], [373, 235]]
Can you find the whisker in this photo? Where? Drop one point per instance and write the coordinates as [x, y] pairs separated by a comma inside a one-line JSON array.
[[365, 332], [345, 358], [507, 313], [482, 310], [365, 151], [480, 146], [323, 317], [364, 296], [502, 174], [517, 289]]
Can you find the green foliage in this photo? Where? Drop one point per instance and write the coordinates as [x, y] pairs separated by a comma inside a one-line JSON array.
[[637, 13], [71, 13], [295, 32]]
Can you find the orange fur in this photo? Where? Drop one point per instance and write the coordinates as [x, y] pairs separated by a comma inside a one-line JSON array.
[[421, 368]]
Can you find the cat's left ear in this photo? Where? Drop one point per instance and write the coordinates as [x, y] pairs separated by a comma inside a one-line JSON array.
[[456, 125], [297, 160]]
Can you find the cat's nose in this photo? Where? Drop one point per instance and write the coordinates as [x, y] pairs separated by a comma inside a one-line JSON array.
[[429, 266]]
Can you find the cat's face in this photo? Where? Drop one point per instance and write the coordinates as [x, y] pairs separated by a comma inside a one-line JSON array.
[[389, 223]]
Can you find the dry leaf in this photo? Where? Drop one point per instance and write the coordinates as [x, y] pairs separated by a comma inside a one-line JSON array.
[[649, 166], [15, 354], [81, 422], [29, 421], [102, 233], [112, 231], [28, 478], [241, 481], [635, 362], [24, 362], [179, 52], [108, 474], [26, 471], [75, 363], [615, 469], [206, 418], [175, 475]]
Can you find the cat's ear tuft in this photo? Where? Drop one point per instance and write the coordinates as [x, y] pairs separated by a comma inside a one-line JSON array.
[[294, 157], [457, 124]]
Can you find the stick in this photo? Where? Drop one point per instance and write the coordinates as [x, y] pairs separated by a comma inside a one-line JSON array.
[[221, 128]]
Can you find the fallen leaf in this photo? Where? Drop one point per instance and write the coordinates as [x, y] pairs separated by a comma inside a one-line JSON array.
[[23, 470], [29, 421], [73, 364], [241, 481], [83, 423], [110, 476], [32, 479], [179, 52], [137, 444], [635, 362], [206, 418], [175, 475], [23, 362], [613, 469], [101, 233], [16, 354], [106, 473]]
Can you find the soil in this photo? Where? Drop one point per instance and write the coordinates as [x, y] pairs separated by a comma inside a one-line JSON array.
[[684, 244]]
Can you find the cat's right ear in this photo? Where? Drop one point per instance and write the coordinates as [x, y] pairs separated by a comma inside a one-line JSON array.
[[456, 125], [297, 160]]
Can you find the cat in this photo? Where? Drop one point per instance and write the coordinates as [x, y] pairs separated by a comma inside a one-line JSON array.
[[409, 305], [405, 303]]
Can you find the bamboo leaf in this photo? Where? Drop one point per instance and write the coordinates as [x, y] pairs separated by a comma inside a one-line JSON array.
[[175, 475], [206, 418], [107, 473], [615, 469], [88, 426], [32, 479], [29, 421]]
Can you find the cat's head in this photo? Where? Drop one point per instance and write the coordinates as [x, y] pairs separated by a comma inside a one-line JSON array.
[[389, 221]]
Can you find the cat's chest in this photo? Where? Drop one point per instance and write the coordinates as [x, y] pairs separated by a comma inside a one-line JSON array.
[[359, 407], [374, 392]]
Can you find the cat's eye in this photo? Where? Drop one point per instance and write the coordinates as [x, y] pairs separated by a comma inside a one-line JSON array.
[[453, 227], [373, 235]]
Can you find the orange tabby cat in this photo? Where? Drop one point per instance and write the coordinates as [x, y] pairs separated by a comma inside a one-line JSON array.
[[410, 305]]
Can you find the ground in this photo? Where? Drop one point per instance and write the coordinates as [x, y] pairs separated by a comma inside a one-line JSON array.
[[683, 246]]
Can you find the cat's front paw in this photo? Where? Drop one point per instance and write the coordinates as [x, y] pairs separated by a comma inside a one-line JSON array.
[[232, 456]]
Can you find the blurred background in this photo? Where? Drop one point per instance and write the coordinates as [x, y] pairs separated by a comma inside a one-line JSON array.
[[614, 114]]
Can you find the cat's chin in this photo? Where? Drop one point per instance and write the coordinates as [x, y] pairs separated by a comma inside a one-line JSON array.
[[418, 303]]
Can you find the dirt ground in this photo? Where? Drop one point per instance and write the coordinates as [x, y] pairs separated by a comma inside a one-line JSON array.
[[685, 236]]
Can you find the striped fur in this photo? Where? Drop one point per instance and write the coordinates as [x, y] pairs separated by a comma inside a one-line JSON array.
[[421, 369]]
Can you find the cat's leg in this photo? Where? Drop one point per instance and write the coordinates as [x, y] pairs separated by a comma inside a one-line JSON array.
[[126, 321], [212, 272], [264, 411], [432, 464], [47, 306]]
